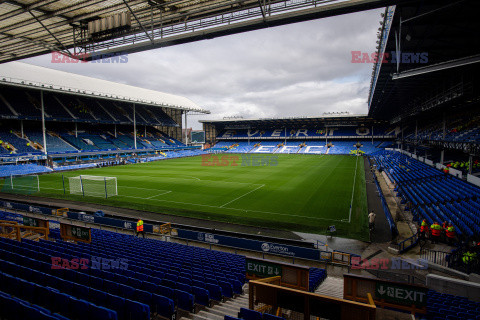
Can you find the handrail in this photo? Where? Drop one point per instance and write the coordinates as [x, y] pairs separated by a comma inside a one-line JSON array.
[[274, 280], [414, 241], [17, 229], [388, 214], [370, 299]]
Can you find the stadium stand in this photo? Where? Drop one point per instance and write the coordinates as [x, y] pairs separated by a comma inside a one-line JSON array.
[[341, 147], [340, 132], [297, 146], [20, 145], [447, 306], [22, 169], [431, 194], [171, 276], [54, 143]]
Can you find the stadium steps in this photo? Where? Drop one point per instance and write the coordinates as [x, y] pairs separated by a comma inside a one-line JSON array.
[[230, 307], [332, 287]]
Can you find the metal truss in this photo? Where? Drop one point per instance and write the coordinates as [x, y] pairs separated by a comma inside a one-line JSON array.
[[471, 148], [32, 27]]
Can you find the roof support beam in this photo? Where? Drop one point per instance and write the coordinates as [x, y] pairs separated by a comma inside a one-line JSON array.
[[437, 67], [24, 8], [53, 35], [261, 8], [138, 21], [39, 43]]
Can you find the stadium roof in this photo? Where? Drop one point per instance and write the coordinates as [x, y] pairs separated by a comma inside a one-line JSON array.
[[27, 75], [327, 119], [445, 34], [33, 27]]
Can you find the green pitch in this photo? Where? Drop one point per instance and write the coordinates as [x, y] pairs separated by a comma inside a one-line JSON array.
[[301, 193]]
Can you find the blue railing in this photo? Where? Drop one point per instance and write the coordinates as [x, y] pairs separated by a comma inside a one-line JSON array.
[[388, 215]]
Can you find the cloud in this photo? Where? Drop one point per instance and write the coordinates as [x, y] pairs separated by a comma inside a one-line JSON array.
[[302, 69]]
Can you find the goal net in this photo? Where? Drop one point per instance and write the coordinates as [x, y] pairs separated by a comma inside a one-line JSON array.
[[94, 186], [21, 184]]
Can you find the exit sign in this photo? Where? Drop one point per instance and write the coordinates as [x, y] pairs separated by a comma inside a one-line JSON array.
[[263, 269], [401, 294]]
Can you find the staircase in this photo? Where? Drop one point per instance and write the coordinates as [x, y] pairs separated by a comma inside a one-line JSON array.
[[332, 287], [230, 307]]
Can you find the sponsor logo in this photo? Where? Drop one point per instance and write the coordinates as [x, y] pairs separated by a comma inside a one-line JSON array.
[[86, 218], [210, 238], [277, 249]]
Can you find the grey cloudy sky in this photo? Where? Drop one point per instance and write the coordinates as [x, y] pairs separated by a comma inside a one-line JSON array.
[[302, 69]]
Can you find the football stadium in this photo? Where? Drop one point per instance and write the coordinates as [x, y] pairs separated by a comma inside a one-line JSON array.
[[113, 208]]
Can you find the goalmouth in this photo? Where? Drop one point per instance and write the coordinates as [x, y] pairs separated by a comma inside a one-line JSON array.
[[94, 186]]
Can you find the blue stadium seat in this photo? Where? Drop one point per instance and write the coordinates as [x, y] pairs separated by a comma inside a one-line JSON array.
[[185, 300], [227, 289], [116, 304], [247, 314], [136, 310], [215, 291], [163, 306], [166, 292], [267, 316], [101, 313], [202, 296]]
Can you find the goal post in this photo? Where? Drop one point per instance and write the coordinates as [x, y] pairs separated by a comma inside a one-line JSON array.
[[27, 184], [93, 186]]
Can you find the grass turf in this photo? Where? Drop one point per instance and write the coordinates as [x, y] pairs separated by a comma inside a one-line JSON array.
[[301, 193]]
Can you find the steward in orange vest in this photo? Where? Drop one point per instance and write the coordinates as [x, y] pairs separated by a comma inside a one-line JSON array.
[[436, 231], [423, 229], [450, 233], [140, 228]]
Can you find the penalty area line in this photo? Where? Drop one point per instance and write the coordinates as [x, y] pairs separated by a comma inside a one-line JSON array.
[[160, 194], [243, 195]]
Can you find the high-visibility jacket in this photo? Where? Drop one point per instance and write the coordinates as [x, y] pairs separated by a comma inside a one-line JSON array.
[[436, 230], [139, 226], [468, 257], [424, 226], [450, 232]]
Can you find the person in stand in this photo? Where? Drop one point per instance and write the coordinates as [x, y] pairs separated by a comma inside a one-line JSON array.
[[436, 232], [468, 258], [450, 234], [140, 228], [444, 224], [423, 229], [371, 220], [444, 230]]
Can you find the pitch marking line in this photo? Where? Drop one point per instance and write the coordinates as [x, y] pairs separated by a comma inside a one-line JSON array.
[[216, 181], [206, 205], [243, 195], [353, 191], [160, 194]]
